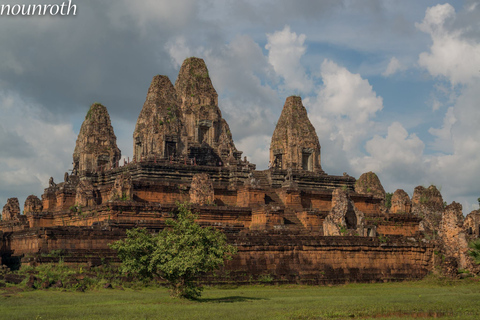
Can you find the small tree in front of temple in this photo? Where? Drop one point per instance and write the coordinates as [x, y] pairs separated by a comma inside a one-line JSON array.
[[475, 250], [179, 254]]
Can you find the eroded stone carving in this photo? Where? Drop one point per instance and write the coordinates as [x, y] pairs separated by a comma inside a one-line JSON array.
[[85, 194], [33, 205], [401, 202], [427, 203], [471, 225], [201, 190], [11, 210], [344, 218], [369, 183], [452, 235], [122, 188]]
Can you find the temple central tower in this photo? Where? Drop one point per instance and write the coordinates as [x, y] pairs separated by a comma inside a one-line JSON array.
[[295, 143], [185, 120]]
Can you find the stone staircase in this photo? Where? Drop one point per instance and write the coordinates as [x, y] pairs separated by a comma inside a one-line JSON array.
[[292, 223]]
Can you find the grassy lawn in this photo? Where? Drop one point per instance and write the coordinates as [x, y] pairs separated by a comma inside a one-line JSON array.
[[408, 300]]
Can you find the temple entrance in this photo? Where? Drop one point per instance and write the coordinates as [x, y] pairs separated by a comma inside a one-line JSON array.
[[278, 162], [203, 134], [170, 149], [351, 218], [103, 161], [307, 161]]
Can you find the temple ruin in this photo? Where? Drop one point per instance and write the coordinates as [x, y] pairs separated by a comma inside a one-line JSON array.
[[293, 222]]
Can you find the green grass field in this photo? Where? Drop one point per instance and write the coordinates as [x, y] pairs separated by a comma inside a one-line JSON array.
[[408, 300]]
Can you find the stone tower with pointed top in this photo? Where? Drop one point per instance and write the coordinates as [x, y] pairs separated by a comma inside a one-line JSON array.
[[295, 143], [96, 143], [158, 130], [205, 128]]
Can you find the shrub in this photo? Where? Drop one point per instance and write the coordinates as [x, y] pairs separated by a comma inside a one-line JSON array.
[[179, 254]]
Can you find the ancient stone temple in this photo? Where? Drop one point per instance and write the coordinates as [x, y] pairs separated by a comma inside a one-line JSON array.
[[96, 143], [293, 222], [295, 143]]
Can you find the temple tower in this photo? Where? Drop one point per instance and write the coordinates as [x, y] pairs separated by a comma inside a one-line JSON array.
[[205, 128], [158, 130], [96, 146], [295, 143]]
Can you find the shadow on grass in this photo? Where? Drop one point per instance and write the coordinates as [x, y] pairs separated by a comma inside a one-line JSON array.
[[231, 299]]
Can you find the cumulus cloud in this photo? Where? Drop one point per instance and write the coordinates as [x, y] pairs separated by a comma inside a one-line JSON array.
[[455, 56], [393, 67], [444, 138], [32, 149], [257, 148], [451, 55], [398, 151], [285, 49], [347, 102], [178, 51]]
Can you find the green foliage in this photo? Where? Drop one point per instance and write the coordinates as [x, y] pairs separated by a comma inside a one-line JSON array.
[[76, 209], [395, 300], [265, 278], [179, 254], [135, 252], [474, 251], [93, 107], [382, 239], [424, 199], [388, 200]]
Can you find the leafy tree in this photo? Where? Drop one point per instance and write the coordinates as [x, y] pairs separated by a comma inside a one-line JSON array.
[[475, 250], [388, 200], [179, 254]]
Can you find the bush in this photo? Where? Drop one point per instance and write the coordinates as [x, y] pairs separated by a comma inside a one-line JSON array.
[[475, 250], [179, 254]]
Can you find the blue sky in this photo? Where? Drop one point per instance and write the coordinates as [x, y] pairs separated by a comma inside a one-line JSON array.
[[390, 86]]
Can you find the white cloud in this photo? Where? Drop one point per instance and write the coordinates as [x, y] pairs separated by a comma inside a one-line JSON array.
[[257, 149], [444, 138], [43, 149], [397, 158], [347, 94], [451, 55], [285, 49], [348, 103], [178, 51], [455, 56], [169, 14], [393, 67], [398, 149]]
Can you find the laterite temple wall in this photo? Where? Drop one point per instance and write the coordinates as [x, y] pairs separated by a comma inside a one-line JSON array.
[[286, 258]]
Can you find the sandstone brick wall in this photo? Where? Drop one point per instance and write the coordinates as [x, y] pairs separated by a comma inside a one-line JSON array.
[[330, 259], [285, 257], [313, 220], [250, 197], [398, 229]]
